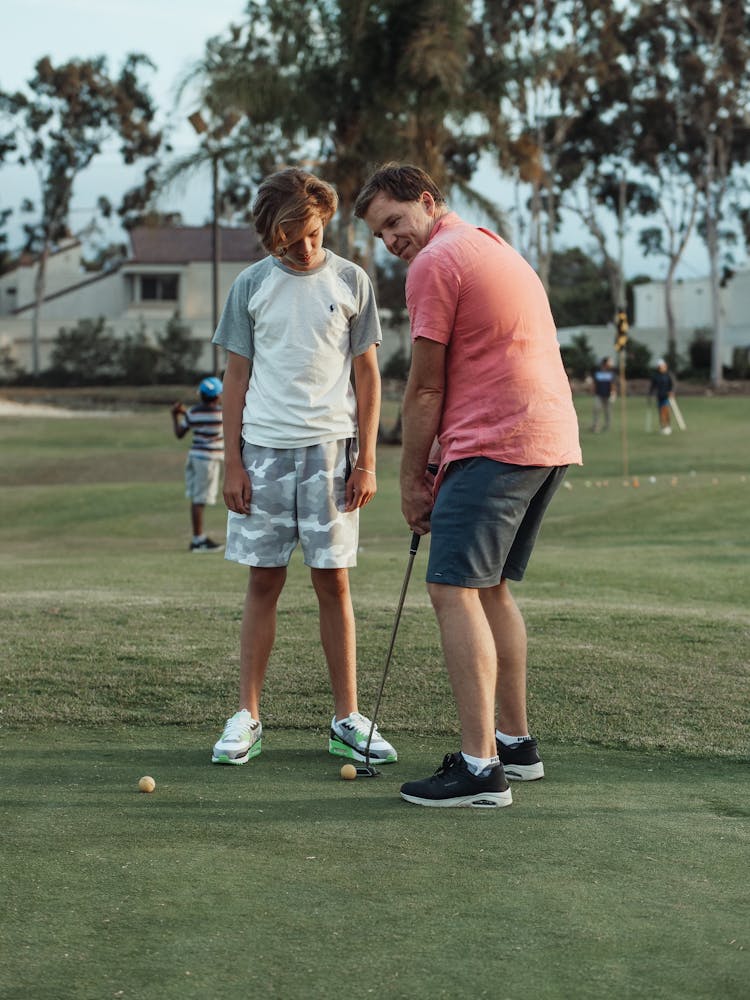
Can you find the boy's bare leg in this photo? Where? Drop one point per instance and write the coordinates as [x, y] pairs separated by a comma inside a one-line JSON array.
[[509, 635], [258, 632], [471, 662], [338, 636], [196, 518]]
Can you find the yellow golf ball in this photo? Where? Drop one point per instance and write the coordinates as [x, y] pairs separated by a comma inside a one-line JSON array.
[[349, 772], [147, 783]]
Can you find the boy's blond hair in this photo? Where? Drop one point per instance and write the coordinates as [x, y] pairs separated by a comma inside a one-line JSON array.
[[285, 203]]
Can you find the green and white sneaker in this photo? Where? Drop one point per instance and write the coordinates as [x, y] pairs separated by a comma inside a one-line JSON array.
[[240, 740], [349, 739]]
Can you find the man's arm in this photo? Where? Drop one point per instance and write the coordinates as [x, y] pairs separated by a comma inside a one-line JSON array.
[[362, 484], [422, 409], [237, 489]]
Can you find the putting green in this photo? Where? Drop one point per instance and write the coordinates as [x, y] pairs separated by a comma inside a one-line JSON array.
[[619, 874]]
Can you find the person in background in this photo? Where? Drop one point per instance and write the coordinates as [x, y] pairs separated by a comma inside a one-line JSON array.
[[604, 387], [205, 457], [662, 386]]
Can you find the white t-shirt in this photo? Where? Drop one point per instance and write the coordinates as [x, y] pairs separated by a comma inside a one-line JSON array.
[[300, 330]]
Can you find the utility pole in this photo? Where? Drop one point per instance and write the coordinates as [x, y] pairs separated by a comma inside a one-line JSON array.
[[212, 139]]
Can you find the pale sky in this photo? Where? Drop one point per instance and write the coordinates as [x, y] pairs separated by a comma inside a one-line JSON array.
[[173, 34]]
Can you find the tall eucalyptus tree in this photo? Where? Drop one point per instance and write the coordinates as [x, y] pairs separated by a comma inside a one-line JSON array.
[[560, 60], [345, 84], [57, 126]]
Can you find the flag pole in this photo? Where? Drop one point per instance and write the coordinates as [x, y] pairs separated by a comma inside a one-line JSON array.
[[621, 339]]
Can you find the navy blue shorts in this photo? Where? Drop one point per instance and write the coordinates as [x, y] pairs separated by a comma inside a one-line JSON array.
[[486, 519]]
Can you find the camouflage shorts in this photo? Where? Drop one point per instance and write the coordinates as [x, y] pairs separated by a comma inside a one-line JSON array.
[[298, 496]]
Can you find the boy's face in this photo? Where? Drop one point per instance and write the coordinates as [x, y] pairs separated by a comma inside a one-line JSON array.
[[306, 251], [403, 226]]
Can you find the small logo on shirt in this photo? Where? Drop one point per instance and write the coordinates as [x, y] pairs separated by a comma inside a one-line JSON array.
[[332, 307]]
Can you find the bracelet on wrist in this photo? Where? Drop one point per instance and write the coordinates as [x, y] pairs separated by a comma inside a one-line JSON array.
[[360, 469]]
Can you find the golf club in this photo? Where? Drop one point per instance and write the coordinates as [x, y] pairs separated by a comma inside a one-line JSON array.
[[678, 414], [367, 770]]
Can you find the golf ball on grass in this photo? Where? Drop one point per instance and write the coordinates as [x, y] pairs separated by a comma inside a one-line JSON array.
[[147, 783], [349, 772]]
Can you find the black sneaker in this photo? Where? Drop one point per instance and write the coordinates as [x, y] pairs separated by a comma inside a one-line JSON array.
[[521, 760], [453, 784], [205, 546]]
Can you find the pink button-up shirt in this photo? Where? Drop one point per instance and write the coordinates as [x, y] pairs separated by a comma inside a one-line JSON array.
[[507, 396]]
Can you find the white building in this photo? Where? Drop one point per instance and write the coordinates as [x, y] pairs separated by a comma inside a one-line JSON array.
[[691, 304], [170, 270]]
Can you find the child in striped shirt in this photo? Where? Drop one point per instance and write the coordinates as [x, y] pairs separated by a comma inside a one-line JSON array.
[[205, 458]]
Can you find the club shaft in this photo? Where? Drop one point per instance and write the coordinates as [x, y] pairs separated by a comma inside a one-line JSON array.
[[414, 545]]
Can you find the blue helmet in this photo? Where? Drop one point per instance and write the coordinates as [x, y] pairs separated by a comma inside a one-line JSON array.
[[211, 387]]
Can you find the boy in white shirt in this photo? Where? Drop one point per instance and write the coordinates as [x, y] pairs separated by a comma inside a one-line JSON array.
[[299, 444]]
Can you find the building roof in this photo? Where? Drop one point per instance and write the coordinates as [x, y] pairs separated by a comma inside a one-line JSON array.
[[184, 244]]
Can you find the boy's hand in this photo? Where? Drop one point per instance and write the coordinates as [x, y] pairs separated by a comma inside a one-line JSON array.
[[361, 487], [237, 489], [177, 408]]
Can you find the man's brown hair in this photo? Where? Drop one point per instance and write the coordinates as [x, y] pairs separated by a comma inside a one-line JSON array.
[[401, 181]]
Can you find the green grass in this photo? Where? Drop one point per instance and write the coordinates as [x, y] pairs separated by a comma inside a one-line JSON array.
[[623, 873]]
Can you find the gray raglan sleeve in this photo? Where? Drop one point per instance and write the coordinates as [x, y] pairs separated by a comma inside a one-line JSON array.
[[365, 326], [235, 330]]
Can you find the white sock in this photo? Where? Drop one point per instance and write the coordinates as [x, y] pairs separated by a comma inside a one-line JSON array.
[[478, 765], [508, 741], [197, 539]]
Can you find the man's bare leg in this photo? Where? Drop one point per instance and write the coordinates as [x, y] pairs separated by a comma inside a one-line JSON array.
[[509, 635], [471, 661]]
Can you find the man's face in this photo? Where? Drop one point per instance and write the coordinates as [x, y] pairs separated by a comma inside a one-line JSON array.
[[305, 252], [403, 226]]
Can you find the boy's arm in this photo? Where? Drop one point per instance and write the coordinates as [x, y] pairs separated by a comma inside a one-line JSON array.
[[178, 411], [362, 484], [237, 490]]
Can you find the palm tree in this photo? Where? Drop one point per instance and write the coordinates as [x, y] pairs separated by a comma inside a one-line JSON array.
[[343, 86]]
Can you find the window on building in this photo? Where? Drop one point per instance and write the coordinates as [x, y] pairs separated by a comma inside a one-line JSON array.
[[159, 287]]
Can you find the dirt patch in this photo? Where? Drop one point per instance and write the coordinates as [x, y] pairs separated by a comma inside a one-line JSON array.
[[10, 409]]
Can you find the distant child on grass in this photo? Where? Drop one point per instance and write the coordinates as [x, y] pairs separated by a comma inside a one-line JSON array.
[[662, 386], [204, 460], [300, 445]]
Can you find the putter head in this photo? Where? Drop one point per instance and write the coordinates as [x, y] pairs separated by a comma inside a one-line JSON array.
[[367, 771]]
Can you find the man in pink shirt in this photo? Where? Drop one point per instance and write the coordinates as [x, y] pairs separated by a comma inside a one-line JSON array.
[[488, 400]]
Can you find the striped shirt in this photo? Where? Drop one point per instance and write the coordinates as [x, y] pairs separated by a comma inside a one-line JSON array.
[[208, 431]]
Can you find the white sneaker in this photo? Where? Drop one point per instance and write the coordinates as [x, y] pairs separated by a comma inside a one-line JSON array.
[[349, 739], [240, 740]]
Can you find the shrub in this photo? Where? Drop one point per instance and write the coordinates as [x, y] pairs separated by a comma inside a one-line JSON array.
[[637, 360], [578, 357], [700, 353], [85, 354], [397, 366], [138, 358], [178, 353]]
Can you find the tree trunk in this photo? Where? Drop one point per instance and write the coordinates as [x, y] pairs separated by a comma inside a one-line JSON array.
[[717, 374], [712, 245], [669, 310], [39, 285], [620, 301]]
